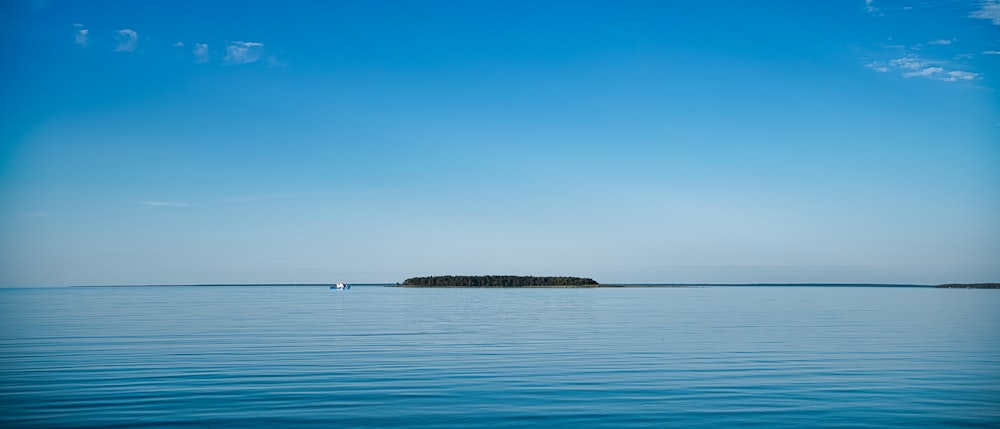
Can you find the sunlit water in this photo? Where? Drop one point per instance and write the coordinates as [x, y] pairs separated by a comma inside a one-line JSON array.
[[306, 356]]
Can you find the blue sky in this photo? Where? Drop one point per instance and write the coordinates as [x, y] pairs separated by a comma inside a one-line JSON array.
[[175, 142]]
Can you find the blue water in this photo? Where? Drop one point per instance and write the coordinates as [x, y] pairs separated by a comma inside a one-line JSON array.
[[306, 356]]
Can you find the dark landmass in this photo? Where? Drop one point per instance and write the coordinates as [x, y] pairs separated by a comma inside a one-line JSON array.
[[970, 286], [497, 281]]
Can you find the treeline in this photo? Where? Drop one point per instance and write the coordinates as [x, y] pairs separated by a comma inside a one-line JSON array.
[[496, 281], [970, 286]]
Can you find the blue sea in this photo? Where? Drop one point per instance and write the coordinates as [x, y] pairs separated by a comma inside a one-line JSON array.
[[372, 356]]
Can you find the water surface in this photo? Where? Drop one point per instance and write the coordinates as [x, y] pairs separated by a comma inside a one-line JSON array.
[[306, 356]]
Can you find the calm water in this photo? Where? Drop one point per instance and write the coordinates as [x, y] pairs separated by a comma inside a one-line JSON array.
[[306, 356]]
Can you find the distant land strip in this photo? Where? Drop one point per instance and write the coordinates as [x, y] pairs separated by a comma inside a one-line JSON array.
[[498, 281], [970, 286]]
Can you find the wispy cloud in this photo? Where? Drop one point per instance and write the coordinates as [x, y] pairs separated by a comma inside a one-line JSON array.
[[938, 42], [908, 63], [990, 9], [200, 52], [879, 67], [80, 37], [911, 66], [926, 71], [991, 52], [126, 40], [957, 75], [243, 52], [165, 204], [232, 53], [870, 7]]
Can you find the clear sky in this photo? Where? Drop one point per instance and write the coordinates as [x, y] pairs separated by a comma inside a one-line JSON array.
[[175, 142]]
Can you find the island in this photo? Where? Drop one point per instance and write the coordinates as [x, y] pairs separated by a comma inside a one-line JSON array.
[[970, 286], [498, 281]]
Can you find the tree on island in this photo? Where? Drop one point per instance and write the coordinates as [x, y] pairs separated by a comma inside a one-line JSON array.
[[496, 281]]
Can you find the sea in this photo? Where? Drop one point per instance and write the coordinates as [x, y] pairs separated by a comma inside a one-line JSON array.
[[374, 356]]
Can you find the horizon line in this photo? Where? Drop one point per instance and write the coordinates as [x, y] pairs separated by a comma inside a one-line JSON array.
[[612, 284]]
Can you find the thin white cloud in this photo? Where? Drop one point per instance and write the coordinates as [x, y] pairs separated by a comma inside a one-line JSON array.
[[243, 52], [165, 204], [80, 37], [879, 67], [232, 53], [990, 10], [200, 52], [910, 67], [126, 40], [938, 73], [908, 63], [870, 7], [957, 75], [927, 71], [991, 52], [938, 42]]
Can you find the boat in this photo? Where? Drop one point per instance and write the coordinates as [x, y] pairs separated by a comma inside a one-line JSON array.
[[340, 286]]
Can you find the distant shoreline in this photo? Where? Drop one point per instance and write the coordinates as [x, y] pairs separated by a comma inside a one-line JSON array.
[[969, 286], [498, 281]]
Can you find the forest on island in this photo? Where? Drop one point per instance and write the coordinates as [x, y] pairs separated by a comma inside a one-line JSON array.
[[496, 281], [970, 286]]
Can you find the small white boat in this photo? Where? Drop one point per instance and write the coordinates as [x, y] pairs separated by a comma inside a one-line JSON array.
[[341, 286]]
